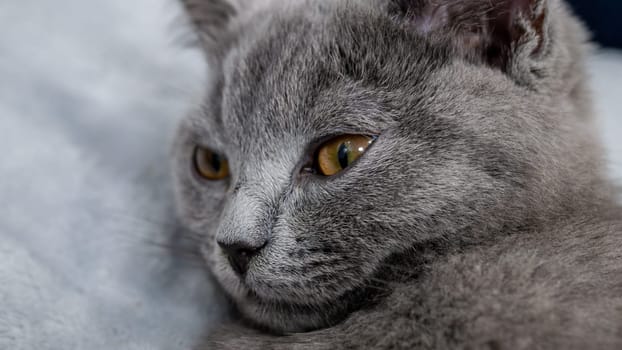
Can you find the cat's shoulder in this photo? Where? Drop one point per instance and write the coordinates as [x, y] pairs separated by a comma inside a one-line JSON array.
[[558, 288], [554, 289]]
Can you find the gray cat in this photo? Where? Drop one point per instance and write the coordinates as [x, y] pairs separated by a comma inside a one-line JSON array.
[[401, 174]]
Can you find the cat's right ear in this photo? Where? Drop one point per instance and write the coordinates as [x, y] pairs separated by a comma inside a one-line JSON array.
[[216, 23], [210, 19]]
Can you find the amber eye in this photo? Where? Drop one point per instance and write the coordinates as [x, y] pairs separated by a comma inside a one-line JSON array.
[[210, 165], [338, 153]]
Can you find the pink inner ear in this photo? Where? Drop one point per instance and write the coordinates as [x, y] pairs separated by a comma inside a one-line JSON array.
[[524, 8], [479, 27], [527, 9], [477, 16], [432, 18], [523, 5]]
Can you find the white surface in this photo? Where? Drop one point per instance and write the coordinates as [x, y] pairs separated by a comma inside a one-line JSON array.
[[606, 69], [89, 97]]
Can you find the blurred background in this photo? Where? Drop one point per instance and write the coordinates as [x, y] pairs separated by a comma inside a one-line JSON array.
[[603, 18], [90, 93]]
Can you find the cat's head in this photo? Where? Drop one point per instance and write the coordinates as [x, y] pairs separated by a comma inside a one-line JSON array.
[[337, 135]]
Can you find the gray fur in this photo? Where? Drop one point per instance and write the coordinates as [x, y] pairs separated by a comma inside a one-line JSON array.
[[480, 217]]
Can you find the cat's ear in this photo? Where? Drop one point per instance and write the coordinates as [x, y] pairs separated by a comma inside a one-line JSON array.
[[497, 31], [213, 19], [210, 18]]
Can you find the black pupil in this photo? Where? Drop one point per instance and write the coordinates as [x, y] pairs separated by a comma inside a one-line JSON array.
[[342, 155], [214, 162]]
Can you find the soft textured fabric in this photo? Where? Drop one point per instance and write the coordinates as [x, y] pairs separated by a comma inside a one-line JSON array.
[[90, 95]]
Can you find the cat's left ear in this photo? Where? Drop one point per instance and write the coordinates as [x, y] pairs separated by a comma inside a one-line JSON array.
[[502, 33]]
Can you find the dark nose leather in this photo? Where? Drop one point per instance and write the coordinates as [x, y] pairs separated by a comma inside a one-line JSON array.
[[240, 255]]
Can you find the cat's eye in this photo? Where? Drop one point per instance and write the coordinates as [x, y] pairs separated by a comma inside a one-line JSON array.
[[340, 152], [210, 165]]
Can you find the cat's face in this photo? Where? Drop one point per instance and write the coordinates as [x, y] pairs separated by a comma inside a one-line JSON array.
[[449, 146]]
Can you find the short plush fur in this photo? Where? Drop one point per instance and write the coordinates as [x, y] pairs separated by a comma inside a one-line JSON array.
[[479, 218]]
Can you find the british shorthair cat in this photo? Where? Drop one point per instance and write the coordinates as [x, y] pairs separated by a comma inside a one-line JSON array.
[[401, 174]]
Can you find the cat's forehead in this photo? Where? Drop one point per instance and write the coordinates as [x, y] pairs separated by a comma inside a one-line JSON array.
[[306, 74]]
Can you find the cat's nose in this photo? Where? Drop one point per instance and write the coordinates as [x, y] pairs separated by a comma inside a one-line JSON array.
[[240, 254]]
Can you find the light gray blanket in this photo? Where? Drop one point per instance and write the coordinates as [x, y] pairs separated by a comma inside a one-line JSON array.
[[89, 96]]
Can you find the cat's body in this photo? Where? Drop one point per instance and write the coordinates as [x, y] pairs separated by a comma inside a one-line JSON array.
[[480, 215]]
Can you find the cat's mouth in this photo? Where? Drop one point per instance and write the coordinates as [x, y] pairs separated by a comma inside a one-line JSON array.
[[281, 317]]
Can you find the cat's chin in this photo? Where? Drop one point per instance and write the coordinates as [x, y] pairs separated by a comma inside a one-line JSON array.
[[277, 316], [281, 317]]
